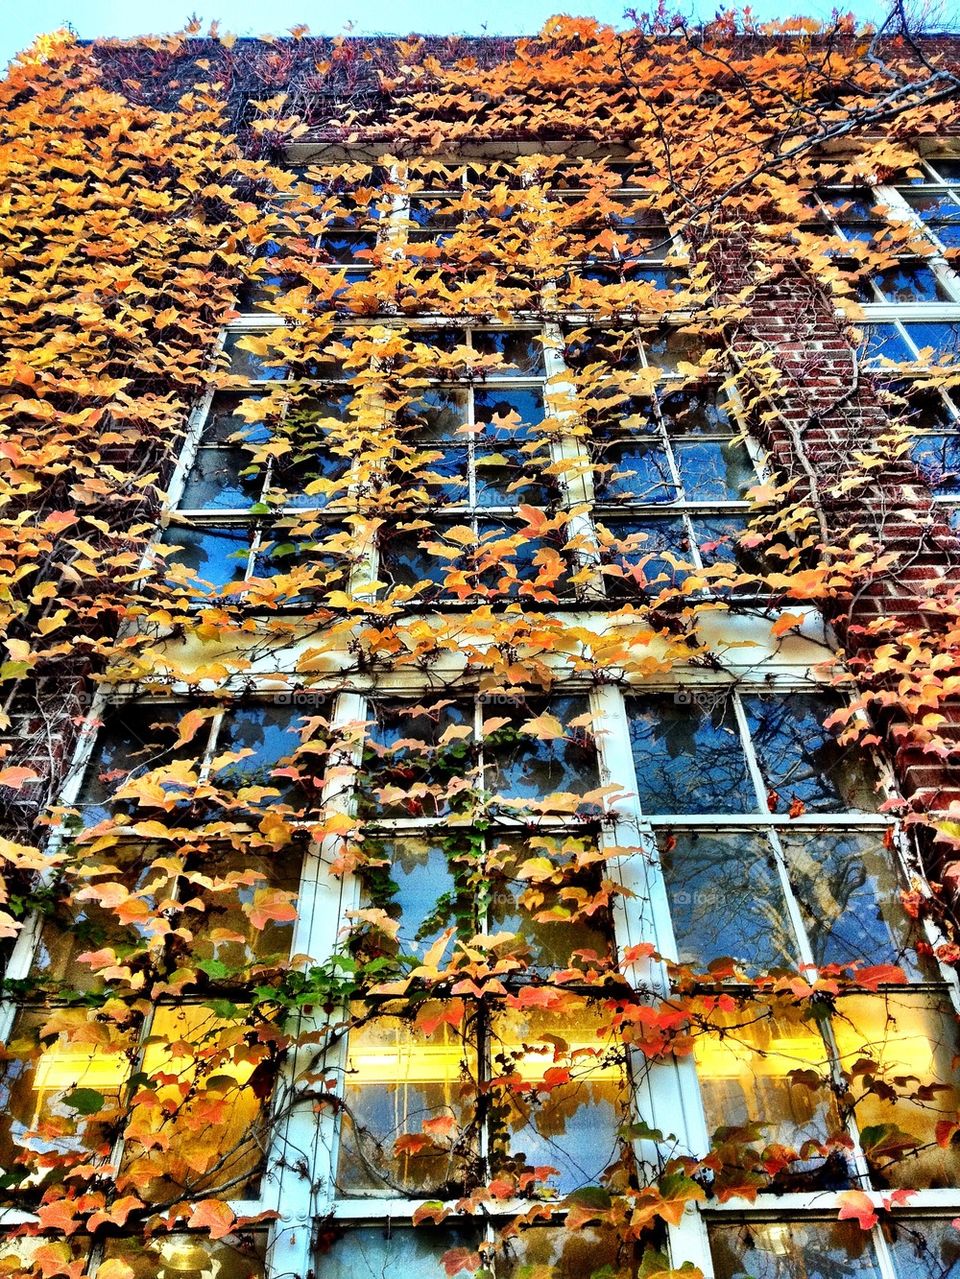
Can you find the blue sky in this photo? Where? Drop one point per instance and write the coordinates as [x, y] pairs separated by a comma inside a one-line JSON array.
[[21, 20]]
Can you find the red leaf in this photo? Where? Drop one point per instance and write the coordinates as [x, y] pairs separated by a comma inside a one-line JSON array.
[[857, 1206]]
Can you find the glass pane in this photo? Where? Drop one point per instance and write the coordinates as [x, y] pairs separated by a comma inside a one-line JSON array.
[[222, 890], [566, 1254], [42, 1107], [415, 881], [270, 736], [902, 1043], [884, 341], [665, 348], [696, 410], [718, 540], [135, 739], [546, 917], [437, 415], [521, 349], [216, 481], [347, 246], [934, 206], [245, 364], [78, 926], [508, 415], [571, 1126], [26, 1258], [504, 478], [413, 754], [199, 1067], [849, 895], [924, 1247], [725, 898], [317, 561], [688, 754], [935, 342], [801, 761], [767, 1067], [191, 1256], [397, 1078], [538, 752], [644, 556], [398, 1252], [911, 282], [208, 558], [409, 558], [617, 348], [938, 458], [793, 1250], [714, 471], [226, 420], [633, 470]]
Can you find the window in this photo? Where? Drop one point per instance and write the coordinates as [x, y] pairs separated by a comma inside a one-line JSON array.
[[735, 786], [670, 468], [476, 441], [253, 493]]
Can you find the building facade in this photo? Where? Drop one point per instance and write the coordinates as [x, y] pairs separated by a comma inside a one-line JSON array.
[[479, 582]]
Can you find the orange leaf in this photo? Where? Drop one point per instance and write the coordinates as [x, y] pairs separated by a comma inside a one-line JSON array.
[[212, 1215], [857, 1206]]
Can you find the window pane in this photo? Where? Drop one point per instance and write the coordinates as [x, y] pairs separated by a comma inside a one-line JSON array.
[[199, 1068], [397, 1078], [571, 1126], [222, 889], [538, 753], [938, 458], [904, 1042], [191, 1256], [566, 1254], [768, 1067], [644, 556], [802, 761], [911, 282], [269, 735], [633, 470], [521, 349], [245, 364], [226, 420], [437, 415], [884, 341], [924, 1247], [697, 410], [417, 886], [726, 900], [217, 481], [719, 541], [41, 1106], [412, 755], [136, 738], [543, 915], [793, 1250], [935, 342], [208, 558], [849, 895], [714, 471], [76, 926], [398, 1252], [688, 755]]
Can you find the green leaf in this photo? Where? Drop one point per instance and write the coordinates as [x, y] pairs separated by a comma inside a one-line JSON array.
[[86, 1100], [214, 968], [590, 1197], [223, 1008]]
